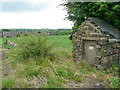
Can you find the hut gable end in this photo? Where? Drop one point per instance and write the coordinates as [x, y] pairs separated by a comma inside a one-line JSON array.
[[87, 29]]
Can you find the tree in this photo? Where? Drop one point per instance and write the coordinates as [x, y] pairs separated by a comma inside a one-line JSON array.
[[108, 11], [5, 30]]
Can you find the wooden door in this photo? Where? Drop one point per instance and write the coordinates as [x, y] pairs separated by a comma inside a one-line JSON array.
[[90, 51]]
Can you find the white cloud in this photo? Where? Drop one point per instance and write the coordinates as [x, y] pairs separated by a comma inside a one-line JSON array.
[[32, 1], [0, 8], [48, 18]]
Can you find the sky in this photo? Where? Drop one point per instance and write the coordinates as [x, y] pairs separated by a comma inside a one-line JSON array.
[[33, 14]]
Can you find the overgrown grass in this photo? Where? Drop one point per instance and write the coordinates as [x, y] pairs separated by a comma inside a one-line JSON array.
[[11, 82], [56, 71], [54, 82], [38, 59], [7, 82], [56, 67]]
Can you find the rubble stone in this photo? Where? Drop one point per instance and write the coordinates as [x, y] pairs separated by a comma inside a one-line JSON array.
[[103, 49]]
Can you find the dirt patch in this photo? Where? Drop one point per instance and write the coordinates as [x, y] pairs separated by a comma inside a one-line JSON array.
[[88, 83]]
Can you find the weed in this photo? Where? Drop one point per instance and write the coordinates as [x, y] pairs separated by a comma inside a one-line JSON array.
[[78, 78], [53, 82], [114, 82], [68, 74], [7, 82], [30, 72]]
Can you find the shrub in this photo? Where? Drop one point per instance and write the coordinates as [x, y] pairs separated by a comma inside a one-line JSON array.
[[63, 32], [31, 46], [18, 35]]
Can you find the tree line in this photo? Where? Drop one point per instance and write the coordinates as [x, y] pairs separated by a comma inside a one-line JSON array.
[[36, 29]]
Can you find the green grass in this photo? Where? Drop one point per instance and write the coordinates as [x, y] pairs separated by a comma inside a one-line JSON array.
[[11, 39], [11, 82], [4, 41], [59, 41], [57, 68], [7, 82]]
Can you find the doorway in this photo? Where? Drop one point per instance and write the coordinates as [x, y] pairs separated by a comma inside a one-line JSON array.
[[90, 51]]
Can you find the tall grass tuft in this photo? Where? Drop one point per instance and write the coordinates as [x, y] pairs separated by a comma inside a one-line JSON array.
[[31, 46]]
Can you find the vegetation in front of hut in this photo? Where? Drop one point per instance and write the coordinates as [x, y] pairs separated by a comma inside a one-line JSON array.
[[48, 66]]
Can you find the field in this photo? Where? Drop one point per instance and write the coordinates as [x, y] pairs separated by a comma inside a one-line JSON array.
[[58, 40], [54, 68], [61, 41]]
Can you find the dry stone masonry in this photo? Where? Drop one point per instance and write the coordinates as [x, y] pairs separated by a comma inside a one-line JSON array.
[[97, 42]]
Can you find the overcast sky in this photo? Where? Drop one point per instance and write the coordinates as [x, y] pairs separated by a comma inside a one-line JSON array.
[[32, 14]]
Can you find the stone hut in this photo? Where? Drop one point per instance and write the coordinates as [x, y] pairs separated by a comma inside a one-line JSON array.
[[97, 42]]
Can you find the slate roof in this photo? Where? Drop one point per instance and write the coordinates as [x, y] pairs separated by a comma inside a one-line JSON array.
[[105, 27]]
